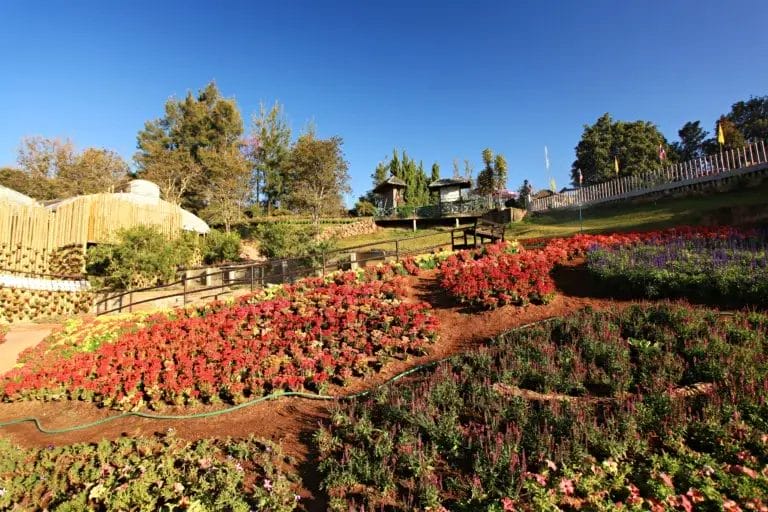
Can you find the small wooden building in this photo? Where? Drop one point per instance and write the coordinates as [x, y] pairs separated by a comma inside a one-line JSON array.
[[450, 188], [390, 192]]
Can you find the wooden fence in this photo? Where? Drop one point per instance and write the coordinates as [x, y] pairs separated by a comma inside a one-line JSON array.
[[750, 158]]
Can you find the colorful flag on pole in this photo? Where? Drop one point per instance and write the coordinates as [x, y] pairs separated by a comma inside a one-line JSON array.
[[546, 158], [662, 153], [581, 178], [720, 134], [616, 164]]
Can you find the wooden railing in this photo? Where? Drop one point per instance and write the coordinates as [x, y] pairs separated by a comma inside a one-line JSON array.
[[750, 158], [194, 283], [465, 207]]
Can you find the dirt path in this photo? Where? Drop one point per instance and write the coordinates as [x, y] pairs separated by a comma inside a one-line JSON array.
[[20, 337], [292, 422]]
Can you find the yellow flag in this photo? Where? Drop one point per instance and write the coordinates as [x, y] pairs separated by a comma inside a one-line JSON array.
[[720, 135], [616, 164]]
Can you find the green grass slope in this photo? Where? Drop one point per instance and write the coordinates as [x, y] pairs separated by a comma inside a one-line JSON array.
[[735, 206]]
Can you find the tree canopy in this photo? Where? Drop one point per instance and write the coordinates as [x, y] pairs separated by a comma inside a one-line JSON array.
[[634, 145], [270, 145], [317, 174], [751, 118], [691, 145], [493, 177], [172, 150], [52, 169]]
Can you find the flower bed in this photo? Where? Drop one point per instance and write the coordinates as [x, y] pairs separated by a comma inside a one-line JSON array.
[[496, 276], [730, 271], [138, 473], [587, 413], [309, 334]]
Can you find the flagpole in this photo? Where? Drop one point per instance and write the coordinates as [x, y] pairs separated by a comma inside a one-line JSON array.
[[581, 202]]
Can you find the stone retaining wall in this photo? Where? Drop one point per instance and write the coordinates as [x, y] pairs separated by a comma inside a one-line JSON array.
[[341, 231]]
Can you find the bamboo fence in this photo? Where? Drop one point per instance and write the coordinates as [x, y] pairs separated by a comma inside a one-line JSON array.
[[29, 235]]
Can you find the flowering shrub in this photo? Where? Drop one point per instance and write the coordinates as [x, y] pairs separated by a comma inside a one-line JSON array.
[[656, 408], [86, 334], [146, 473], [493, 277], [309, 334], [731, 271], [499, 279]]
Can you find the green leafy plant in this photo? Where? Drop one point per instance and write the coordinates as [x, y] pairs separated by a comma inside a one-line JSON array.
[[142, 256], [649, 408], [146, 473], [220, 246]]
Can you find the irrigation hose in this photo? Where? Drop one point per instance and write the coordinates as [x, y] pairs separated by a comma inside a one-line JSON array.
[[273, 396]]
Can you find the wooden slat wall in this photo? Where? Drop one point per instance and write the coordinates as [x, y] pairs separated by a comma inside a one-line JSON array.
[[28, 234]]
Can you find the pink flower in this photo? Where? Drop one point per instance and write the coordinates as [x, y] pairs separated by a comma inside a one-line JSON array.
[[566, 486], [666, 480], [508, 504], [268, 484]]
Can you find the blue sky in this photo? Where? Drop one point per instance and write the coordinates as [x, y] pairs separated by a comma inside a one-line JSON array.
[[441, 80]]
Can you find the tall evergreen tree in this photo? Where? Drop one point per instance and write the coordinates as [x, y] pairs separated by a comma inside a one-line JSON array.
[[168, 144], [500, 172], [434, 195], [270, 146], [485, 178], [691, 144]]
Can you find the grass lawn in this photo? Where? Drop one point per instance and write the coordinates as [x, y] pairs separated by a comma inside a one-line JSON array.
[[384, 238], [641, 216], [658, 214]]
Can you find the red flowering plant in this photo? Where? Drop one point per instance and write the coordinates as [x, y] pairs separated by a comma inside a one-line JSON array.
[[496, 276], [309, 334]]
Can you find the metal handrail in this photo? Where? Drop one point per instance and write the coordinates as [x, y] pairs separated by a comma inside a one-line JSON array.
[[288, 275]]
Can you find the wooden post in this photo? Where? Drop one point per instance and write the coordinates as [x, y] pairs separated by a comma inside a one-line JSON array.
[[184, 282], [322, 272], [414, 224], [130, 303], [253, 269], [397, 250]]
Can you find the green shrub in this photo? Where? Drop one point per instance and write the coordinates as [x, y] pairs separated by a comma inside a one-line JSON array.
[[282, 240], [364, 208], [220, 246], [143, 256]]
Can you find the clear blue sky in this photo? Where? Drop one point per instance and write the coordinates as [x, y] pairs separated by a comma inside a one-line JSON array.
[[442, 80]]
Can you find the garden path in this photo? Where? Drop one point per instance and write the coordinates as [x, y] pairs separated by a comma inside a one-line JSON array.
[[20, 337]]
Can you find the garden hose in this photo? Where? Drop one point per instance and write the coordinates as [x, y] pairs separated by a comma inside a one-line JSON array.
[[273, 396]]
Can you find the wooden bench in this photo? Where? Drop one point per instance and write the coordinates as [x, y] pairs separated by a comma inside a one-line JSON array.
[[481, 230]]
